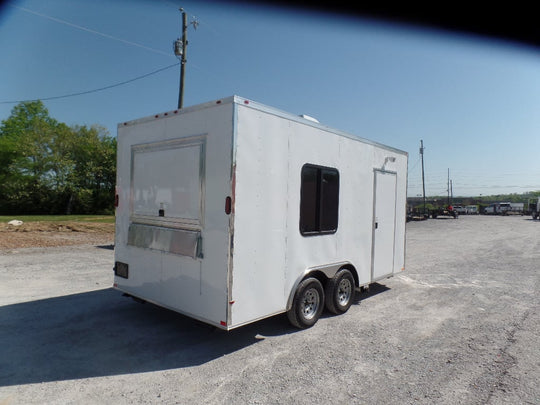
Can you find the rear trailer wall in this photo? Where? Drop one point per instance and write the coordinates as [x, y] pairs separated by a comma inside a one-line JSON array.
[[181, 164]]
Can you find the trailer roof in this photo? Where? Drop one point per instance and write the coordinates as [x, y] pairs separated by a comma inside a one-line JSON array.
[[242, 101]]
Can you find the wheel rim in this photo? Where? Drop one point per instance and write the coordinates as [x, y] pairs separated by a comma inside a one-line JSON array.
[[310, 304], [344, 292]]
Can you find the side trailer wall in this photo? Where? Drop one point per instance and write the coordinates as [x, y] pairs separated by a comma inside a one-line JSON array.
[[260, 218], [270, 254]]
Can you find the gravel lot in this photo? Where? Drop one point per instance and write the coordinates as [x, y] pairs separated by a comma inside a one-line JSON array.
[[460, 326]]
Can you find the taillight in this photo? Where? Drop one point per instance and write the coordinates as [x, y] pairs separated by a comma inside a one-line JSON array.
[[228, 205]]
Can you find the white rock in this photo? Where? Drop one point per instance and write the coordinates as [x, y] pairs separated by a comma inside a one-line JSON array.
[[15, 222]]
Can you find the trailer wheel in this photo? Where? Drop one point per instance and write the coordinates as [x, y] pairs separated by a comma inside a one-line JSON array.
[[308, 304], [340, 292]]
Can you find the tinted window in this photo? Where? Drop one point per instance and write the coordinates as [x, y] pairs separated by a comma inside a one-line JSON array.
[[319, 200], [329, 200], [308, 200]]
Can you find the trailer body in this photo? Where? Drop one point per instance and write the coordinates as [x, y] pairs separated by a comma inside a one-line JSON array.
[[225, 209], [504, 208]]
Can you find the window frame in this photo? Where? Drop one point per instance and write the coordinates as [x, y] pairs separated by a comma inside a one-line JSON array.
[[314, 214], [196, 220]]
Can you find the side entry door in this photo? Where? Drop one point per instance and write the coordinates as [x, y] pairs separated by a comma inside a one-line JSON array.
[[384, 224]]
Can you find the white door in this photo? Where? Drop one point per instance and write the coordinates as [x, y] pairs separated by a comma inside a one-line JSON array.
[[384, 214]]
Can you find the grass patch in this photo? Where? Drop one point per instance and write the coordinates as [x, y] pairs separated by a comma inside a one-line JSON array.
[[59, 218]]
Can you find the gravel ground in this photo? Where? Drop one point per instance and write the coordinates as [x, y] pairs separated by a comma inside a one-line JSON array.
[[460, 326]]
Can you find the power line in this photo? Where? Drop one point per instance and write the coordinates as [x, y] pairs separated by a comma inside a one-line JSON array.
[[196, 21], [413, 166], [94, 90], [80, 27]]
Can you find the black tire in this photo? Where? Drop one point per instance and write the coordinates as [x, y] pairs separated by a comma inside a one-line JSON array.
[[340, 292], [308, 304]]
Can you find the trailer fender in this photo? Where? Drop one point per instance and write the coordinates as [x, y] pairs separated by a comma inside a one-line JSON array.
[[322, 273]]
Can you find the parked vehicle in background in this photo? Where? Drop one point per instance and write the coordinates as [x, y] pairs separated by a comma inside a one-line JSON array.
[[471, 210], [460, 209], [534, 207], [447, 211], [516, 208], [501, 208]]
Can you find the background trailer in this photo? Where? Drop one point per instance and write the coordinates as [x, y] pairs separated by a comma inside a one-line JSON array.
[[232, 211]]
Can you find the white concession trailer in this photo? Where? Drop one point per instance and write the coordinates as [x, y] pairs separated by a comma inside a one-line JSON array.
[[232, 211]]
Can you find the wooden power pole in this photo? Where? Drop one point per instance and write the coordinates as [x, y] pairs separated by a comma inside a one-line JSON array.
[[423, 181], [180, 48]]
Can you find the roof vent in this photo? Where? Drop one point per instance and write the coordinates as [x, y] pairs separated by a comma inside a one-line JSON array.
[[307, 117]]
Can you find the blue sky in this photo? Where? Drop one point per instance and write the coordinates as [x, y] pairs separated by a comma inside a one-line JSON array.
[[475, 102]]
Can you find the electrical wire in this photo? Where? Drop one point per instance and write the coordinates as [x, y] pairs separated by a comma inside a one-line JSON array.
[[80, 27], [414, 166], [94, 90]]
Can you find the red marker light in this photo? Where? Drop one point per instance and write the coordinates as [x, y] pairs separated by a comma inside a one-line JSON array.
[[228, 205]]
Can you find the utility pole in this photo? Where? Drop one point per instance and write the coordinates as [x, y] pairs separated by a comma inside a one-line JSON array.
[[180, 48], [448, 186], [423, 181]]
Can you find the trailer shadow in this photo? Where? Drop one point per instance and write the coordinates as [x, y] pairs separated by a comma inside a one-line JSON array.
[[101, 333], [374, 289]]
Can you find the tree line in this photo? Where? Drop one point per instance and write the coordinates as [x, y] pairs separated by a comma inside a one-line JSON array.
[[48, 167]]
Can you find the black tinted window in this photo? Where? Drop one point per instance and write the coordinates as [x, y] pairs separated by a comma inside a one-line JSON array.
[[319, 200]]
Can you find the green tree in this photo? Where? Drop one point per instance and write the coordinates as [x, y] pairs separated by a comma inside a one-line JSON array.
[[48, 167], [25, 139], [93, 175]]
